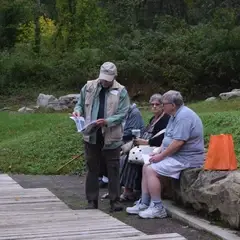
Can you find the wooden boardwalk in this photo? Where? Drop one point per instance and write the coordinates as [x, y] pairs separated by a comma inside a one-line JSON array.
[[38, 214]]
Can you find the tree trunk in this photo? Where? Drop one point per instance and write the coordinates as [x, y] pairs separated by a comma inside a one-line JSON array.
[[71, 30], [37, 13]]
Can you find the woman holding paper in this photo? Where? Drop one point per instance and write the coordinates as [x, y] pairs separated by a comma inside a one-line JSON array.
[[132, 173]]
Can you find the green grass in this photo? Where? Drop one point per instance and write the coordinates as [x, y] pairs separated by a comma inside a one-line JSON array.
[[41, 143], [38, 143], [216, 106]]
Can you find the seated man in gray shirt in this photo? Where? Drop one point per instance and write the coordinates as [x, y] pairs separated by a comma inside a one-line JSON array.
[[182, 147]]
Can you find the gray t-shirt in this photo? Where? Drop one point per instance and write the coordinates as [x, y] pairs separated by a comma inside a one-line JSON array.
[[186, 126]]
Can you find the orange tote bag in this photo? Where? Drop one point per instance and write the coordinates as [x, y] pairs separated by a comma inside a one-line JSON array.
[[221, 154]]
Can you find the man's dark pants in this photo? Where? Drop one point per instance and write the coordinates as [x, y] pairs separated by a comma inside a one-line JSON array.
[[94, 155]]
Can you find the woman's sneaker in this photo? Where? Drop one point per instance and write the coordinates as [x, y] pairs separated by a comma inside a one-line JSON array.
[[136, 208]]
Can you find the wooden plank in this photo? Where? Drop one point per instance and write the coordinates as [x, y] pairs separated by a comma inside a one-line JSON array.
[[27, 195], [29, 190], [18, 191], [104, 237], [19, 220], [81, 221], [77, 235], [38, 214], [5, 177], [36, 207], [82, 213], [21, 200], [7, 186], [61, 228], [75, 225], [165, 236], [7, 182], [109, 236]]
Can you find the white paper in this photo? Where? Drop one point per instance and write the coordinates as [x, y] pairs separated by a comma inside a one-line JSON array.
[[83, 128], [90, 128], [146, 158], [80, 123], [146, 152]]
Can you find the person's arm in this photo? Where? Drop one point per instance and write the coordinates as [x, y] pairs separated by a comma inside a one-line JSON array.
[[180, 135], [141, 141], [79, 107], [122, 110], [170, 150], [134, 121], [157, 141]]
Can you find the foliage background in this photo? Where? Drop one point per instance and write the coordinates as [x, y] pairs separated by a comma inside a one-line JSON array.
[[192, 45]]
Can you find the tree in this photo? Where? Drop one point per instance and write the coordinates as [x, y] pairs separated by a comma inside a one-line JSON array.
[[37, 14], [12, 13]]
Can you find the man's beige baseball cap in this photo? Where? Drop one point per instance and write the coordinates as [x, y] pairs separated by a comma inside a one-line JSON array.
[[108, 72]]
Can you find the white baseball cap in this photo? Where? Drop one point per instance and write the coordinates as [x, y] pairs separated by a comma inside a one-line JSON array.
[[108, 72]]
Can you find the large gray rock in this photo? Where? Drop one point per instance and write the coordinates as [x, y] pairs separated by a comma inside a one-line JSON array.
[[69, 100], [235, 93], [51, 102], [25, 110], [236, 90], [56, 105], [43, 100], [210, 99], [213, 192], [5, 109]]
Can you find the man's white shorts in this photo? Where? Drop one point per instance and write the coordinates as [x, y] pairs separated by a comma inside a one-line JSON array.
[[168, 167]]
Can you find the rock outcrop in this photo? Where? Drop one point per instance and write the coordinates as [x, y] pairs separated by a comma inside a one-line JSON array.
[[235, 93], [57, 104], [214, 192]]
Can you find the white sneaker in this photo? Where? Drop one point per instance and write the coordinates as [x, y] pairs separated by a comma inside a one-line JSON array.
[[136, 208], [153, 212]]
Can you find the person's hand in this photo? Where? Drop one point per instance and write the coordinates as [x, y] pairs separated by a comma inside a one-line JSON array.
[[155, 158], [76, 114], [153, 154], [101, 122], [139, 141]]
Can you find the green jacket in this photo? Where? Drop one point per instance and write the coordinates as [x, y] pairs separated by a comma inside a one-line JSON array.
[[114, 115]]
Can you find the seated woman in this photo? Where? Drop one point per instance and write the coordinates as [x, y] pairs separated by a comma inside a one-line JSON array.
[[132, 173], [133, 120], [182, 147]]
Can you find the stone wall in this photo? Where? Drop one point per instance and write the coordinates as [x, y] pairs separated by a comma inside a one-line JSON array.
[[213, 192]]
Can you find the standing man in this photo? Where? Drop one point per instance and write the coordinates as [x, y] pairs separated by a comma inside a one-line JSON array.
[[106, 101]]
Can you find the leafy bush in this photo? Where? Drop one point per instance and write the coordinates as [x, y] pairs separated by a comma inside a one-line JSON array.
[[200, 60]]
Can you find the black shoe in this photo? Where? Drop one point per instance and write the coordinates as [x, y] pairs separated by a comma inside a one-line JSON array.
[[102, 184], [92, 204], [115, 206]]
